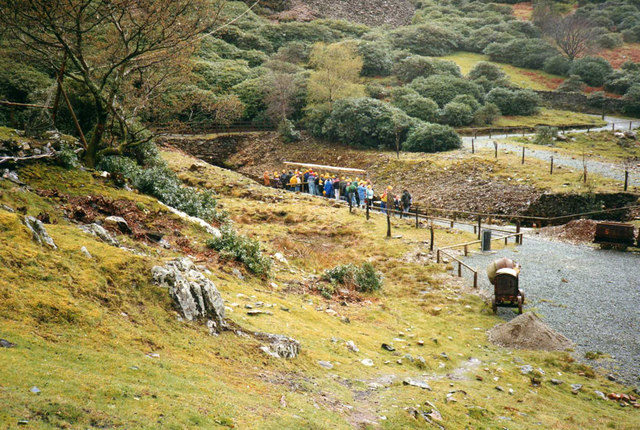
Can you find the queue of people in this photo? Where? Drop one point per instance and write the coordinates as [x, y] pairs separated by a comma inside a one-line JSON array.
[[358, 191]]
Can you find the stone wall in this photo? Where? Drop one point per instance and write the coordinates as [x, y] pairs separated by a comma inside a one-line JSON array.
[[578, 102]]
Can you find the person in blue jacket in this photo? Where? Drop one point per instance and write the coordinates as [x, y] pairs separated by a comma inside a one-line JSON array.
[[362, 193], [328, 188]]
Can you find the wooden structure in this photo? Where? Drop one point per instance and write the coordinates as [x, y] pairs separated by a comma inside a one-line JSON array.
[[614, 235]]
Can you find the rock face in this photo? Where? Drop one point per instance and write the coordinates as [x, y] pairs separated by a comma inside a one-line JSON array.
[[119, 223], [194, 294], [101, 233], [278, 345], [40, 234]]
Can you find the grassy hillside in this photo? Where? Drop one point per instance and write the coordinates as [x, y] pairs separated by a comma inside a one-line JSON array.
[[106, 349]]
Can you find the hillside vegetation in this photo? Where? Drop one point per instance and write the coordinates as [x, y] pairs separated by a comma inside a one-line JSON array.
[[105, 348]]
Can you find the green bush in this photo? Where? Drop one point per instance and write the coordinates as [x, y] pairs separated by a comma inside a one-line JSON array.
[[486, 115], [314, 119], [545, 135], [308, 32], [609, 40], [427, 137], [620, 81], [573, 84], [632, 99], [514, 102], [376, 91], [446, 67], [592, 70], [252, 95], [364, 279], [288, 132], [444, 88], [162, 183], [413, 66], [376, 58], [221, 76], [366, 122], [294, 52], [233, 246], [456, 114], [529, 53], [468, 100], [557, 65], [424, 39], [488, 70], [413, 104], [67, 157]]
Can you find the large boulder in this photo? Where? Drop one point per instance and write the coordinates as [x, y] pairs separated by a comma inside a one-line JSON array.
[[101, 233], [278, 345], [195, 295], [40, 234]]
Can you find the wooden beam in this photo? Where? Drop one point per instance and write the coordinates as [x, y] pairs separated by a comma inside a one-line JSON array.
[[320, 166], [8, 103]]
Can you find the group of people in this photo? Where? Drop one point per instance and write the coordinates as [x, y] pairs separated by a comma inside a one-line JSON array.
[[358, 192]]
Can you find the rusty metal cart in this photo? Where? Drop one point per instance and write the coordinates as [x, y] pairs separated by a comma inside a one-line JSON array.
[[614, 235], [507, 292]]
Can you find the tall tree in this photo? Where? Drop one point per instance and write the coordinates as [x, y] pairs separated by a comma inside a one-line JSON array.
[[122, 51], [572, 34], [337, 72]]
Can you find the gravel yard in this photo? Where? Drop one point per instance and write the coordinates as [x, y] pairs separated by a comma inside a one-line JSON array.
[[592, 296]]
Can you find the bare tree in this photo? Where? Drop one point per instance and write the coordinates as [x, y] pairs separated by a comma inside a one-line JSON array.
[[279, 93], [122, 51], [573, 34]]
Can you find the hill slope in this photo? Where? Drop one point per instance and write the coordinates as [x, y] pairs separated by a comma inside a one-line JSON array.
[[105, 347]]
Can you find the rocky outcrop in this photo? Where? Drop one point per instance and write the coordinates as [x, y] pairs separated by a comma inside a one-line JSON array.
[[195, 220], [118, 223], [195, 295], [40, 234], [101, 233], [278, 345]]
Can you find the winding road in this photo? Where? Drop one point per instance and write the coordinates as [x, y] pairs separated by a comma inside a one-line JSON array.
[[603, 168]]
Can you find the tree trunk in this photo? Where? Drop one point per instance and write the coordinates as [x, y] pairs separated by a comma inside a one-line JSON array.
[[96, 136]]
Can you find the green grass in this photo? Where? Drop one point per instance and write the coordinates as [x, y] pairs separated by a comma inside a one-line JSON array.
[[550, 117], [602, 144], [84, 328], [524, 78]]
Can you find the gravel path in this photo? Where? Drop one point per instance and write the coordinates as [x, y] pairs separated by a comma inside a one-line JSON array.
[[602, 168], [592, 296]]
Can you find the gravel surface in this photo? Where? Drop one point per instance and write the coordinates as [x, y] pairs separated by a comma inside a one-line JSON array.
[[602, 168], [592, 296]]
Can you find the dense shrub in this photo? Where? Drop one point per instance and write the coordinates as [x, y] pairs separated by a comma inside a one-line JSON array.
[[632, 99], [234, 246], [220, 76], [308, 32], [315, 117], [456, 114], [424, 39], [366, 122], [364, 279], [162, 183], [529, 53], [479, 39], [514, 102], [620, 81], [376, 58], [66, 157], [446, 67], [557, 65], [413, 104], [287, 131], [488, 70], [413, 66], [486, 115], [293, 52], [19, 83], [245, 40], [545, 135], [609, 40], [431, 138], [252, 94], [573, 84], [467, 100], [444, 88], [592, 70], [376, 91]]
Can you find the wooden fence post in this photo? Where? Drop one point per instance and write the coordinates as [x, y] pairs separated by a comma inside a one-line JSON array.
[[388, 224], [551, 168], [473, 146], [626, 179], [495, 148], [630, 125], [459, 269], [416, 216], [466, 250], [523, 155], [475, 279], [613, 126], [431, 242], [518, 231], [479, 225], [368, 205]]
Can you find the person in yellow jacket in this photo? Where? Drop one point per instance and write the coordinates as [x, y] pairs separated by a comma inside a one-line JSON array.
[[295, 183], [386, 196]]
